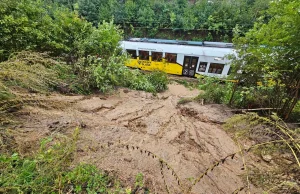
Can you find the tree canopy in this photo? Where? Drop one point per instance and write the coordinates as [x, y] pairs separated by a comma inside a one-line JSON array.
[[270, 51], [43, 26], [219, 16]]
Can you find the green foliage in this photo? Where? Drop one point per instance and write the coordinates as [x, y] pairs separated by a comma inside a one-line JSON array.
[[83, 70], [112, 72], [103, 41], [87, 178], [159, 80], [272, 53], [5, 93], [48, 171], [30, 25], [214, 91], [41, 173], [190, 84], [219, 16], [258, 96], [139, 180]]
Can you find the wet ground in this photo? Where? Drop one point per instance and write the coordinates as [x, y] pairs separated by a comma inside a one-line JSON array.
[[131, 132]]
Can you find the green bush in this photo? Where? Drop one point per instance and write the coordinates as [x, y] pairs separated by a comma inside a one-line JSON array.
[[214, 91], [103, 41], [45, 27], [86, 178], [159, 80], [112, 72]]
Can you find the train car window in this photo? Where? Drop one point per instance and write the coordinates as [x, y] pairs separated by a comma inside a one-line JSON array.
[[144, 55], [157, 56], [216, 68], [194, 62], [171, 57], [132, 53], [186, 61], [202, 66]]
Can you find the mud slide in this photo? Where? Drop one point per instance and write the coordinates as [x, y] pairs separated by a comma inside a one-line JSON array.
[[133, 132]]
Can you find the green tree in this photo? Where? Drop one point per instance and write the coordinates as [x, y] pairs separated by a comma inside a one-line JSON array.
[[270, 51], [90, 10], [103, 41], [145, 16]]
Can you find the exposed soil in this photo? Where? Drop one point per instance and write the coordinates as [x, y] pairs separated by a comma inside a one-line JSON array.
[[188, 137]]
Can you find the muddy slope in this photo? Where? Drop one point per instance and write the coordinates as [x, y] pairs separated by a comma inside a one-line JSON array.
[[189, 138]]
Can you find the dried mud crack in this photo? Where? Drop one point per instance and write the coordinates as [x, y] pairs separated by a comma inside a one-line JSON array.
[[133, 131]]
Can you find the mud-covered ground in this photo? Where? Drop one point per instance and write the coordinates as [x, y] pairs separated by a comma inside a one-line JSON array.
[[189, 137]]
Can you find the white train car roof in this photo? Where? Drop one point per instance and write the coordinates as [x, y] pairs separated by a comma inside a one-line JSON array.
[[209, 49]]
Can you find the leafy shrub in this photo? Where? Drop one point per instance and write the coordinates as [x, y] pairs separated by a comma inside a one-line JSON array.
[[86, 178], [45, 27], [112, 72], [214, 91], [83, 80], [103, 41], [31, 25], [159, 80]]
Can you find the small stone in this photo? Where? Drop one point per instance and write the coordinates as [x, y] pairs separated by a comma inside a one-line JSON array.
[[108, 106], [55, 122], [128, 159], [266, 158], [82, 125]]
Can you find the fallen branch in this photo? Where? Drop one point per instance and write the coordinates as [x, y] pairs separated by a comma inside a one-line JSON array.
[[252, 109]]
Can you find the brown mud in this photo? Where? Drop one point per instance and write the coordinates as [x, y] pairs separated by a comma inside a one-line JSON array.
[[187, 137]]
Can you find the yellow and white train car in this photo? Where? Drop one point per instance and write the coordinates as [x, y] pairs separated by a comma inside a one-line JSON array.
[[187, 58]]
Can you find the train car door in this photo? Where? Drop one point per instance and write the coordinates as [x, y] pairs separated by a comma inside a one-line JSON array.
[[189, 66]]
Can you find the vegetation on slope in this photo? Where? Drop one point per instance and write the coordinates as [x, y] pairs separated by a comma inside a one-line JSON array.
[[151, 18], [268, 56], [48, 171], [275, 143]]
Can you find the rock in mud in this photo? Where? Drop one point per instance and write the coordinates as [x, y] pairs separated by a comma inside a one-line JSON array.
[[128, 159], [266, 158]]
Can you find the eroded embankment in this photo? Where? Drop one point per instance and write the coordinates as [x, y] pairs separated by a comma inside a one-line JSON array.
[[131, 131]]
